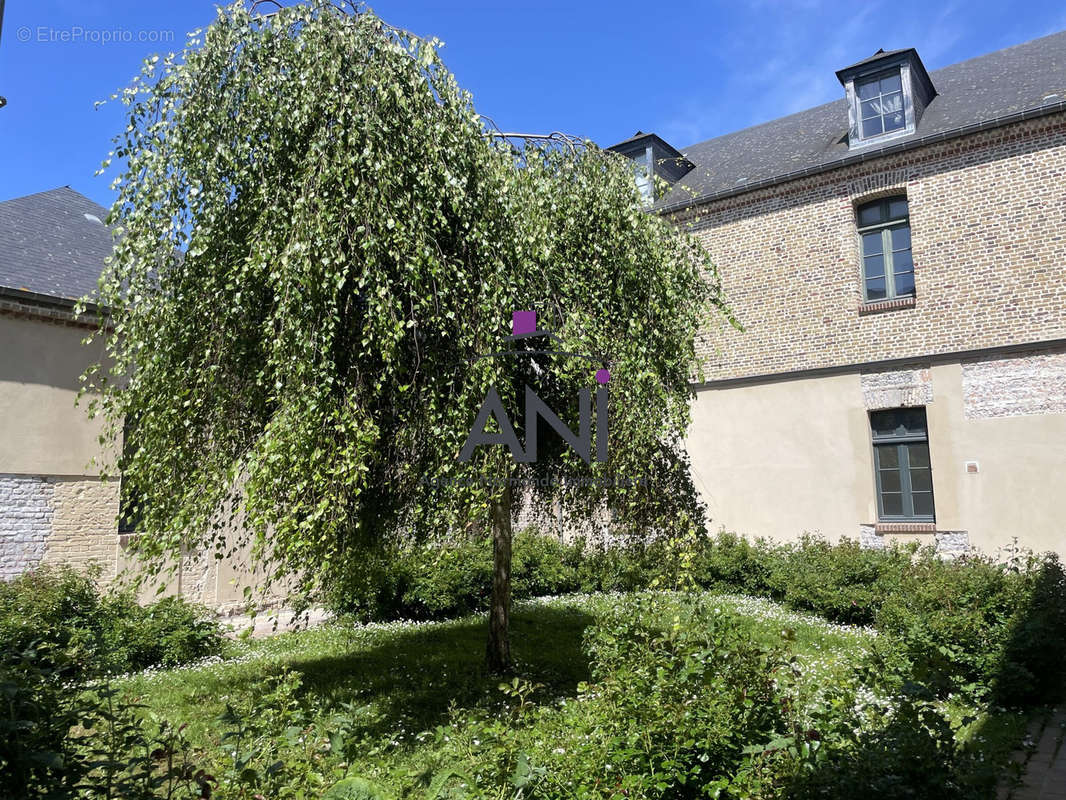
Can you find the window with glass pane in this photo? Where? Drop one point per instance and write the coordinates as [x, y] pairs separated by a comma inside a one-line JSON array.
[[880, 104], [887, 268], [902, 469], [129, 501]]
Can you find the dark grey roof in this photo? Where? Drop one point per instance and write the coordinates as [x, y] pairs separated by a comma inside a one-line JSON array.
[[982, 91], [876, 57], [48, 246], [641, 136]]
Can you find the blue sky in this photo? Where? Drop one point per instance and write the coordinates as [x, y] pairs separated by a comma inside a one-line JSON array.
[[685, 70]]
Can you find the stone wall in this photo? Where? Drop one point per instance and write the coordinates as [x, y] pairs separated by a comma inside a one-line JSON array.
[[84, 526], [55, 520], [26, 511], [896, 388], [1026, 383], [990, 260]]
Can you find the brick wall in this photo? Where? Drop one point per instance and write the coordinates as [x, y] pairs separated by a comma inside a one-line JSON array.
[[55, 520], [989, 247]]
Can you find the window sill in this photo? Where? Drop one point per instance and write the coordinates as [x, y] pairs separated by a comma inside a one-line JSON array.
[[905, 527], [886, 305]]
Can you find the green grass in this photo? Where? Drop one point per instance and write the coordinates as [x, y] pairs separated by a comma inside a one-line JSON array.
[[410, 686], [408, 675]]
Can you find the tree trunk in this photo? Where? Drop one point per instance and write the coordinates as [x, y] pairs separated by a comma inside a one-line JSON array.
[[498, 655]]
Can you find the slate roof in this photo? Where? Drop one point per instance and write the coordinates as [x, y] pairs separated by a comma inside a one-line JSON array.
[[49, 247], [983, 92], [876, 57]]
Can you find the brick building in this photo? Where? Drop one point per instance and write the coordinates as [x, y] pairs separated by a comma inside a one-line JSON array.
[[897, 259]]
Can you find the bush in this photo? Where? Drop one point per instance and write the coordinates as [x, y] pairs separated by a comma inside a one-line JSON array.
[[447, 581], [966, 625], [543, 565], [101, 633], [672, 704], [979, 627], [58, 607], [1031, 667], [41, 684], [731, 563], [168, 633], [844, 583], [676, 693], [59, 635]]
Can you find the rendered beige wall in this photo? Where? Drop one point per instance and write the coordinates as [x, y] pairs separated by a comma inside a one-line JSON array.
[[43, 432], [781, 458], [1018, 489], [55, 509], [217, 583]]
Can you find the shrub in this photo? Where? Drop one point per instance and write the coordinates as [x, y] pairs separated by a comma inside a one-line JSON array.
[[676, 693], [41, 685], [59, 635], [1031, 666], [967, 624], [100, 632], [980, 627], [543, 565], [169, 632], [447, 580], [58, 607], [731, 563], [844, 582], [671, 705]]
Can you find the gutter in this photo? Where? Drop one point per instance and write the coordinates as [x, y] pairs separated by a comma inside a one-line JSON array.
[[51, 306], [39, 299], [868, 155]]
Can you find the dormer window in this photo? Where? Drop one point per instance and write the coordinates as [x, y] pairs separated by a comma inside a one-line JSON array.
[[881, 104], [887, 94], [656, 163]]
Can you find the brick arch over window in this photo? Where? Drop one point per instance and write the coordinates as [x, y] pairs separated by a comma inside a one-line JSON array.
[[879, 184]]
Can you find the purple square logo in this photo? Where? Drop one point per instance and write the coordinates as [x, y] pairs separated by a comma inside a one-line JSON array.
[[523, 322]]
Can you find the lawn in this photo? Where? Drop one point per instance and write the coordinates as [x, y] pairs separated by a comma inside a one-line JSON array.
[[404, 702], [408, 674]]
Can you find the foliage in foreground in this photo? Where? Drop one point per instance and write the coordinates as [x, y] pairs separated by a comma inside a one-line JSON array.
[[968, 625], [680, 696], [60, 637], [321, 240], [666, 695]]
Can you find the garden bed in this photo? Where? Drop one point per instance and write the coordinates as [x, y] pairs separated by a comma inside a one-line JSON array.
[[403, 703]]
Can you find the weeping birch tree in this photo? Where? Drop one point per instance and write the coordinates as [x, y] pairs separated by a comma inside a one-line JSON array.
[[321, 246]]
